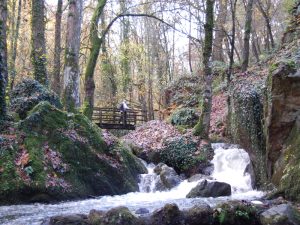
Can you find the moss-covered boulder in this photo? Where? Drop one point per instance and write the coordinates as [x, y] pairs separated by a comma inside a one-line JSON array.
[[185, 117], [236, 213], [245, 121], [116, 216], [27, 94], [55, 155]]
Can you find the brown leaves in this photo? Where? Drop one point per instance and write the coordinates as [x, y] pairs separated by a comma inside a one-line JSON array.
[[22, 158], [151, 135]]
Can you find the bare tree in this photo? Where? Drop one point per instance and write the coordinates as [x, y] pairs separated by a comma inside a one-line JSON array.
[[248, 25], [3, 57], [71, 95], [38, 48], [15, 29], [220, 33], [56, 78], [265, 12]]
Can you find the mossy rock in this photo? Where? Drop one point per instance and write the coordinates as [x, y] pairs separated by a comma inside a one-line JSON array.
[[290, 180], [63, 156], [185, 116], [116, 216], [27, 94], [245, 126], [236, 213]]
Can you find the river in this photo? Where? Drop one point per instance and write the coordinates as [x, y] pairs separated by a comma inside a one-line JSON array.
[[229, 166]]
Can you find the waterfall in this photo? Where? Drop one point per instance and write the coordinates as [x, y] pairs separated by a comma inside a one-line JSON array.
[[229, 167]]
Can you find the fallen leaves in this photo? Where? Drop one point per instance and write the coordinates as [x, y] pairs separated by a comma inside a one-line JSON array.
[[152, 135], [22, 158]]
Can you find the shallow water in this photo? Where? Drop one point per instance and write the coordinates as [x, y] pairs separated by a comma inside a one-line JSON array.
[[229, 167]]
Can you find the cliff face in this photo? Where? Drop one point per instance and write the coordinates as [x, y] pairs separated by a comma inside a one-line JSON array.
[[283, 112]]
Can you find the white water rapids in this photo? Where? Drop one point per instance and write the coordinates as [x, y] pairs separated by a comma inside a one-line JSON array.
[[229, 165]]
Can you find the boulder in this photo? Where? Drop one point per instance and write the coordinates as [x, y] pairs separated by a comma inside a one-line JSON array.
[[76, 219], [283, 214], [27, 94], [58, 156], [169, 177], [168, 215], [210, 189], [116, 216], [198, 214]]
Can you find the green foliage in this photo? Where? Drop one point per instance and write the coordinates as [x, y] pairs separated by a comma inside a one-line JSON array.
[[28, 94], [184, 116], [179, 154], [236, 213]]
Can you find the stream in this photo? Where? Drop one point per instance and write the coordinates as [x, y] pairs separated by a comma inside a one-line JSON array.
[[229, 167]]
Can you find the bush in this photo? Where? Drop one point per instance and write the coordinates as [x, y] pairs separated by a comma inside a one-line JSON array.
[[185, 116], [28, 94], [183, 155]]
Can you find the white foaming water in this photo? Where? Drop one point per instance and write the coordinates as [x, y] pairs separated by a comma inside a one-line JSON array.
[[229, 166]]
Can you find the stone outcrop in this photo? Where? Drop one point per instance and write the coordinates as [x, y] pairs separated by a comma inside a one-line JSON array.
[[283, 214], [210, 189], [245, 122], [283, 108]]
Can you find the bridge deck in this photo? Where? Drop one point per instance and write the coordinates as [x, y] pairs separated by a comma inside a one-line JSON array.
[[111, 118]]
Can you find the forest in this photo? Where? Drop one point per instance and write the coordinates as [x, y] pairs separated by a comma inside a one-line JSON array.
[[215, 83]]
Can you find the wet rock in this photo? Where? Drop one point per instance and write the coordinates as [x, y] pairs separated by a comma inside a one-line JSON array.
[[283, 214], [142, 211], [210, 189], [95, 216], [77, 219], [116, 216], [249, 170], [168, 176], [198, 214], [168, 215]]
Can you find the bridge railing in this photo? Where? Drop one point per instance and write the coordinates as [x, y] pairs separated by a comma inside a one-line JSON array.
[[112, 118]]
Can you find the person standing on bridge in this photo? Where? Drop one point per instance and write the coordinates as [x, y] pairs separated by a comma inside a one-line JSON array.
[[123, 109]]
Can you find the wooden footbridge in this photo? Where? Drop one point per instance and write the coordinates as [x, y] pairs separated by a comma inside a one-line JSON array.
[[112, 118]]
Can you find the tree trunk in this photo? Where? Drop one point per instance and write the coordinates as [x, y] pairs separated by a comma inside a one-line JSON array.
[[248, 24], [56, 78], [125, 62], [202, 127], [14, 47], [3, 57], [38, 48], [71, 95], [268, 24], [220, 33], [232, 41], [96, 42]]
